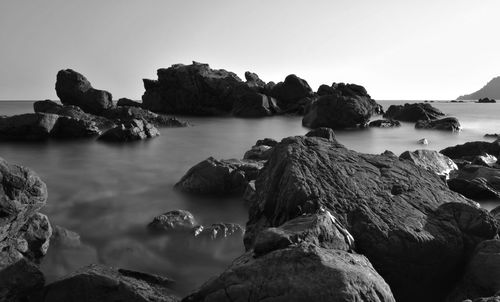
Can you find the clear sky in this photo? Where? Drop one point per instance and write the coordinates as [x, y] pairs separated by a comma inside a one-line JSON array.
[[397, 49]]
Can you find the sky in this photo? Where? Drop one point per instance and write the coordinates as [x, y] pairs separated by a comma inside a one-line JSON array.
[[397, 49]]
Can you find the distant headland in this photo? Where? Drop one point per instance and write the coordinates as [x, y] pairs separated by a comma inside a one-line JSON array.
[[490, 90]]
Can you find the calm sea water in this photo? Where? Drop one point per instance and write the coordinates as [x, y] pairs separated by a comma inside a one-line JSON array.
[[109, 193]]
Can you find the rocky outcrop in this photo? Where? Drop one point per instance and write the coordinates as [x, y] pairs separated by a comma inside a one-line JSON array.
[[24, 233], [261, 150], [431, 160], [490, 90], [486, 100], [384, 124], [100, 283], [255, 105], [293, 94], [414, 230], [476, 182], [470, 150], [447, 123], [413, 112], [73, 88], [176, 220], [219, 177], [128, 103], [128, 113], [29, 126], [132, 130]]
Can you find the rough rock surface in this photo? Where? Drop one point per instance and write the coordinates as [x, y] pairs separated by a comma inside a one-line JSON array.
[[486, 100], [476, 182], [447, 123], [413, 112], [132, 130], [298, 273], [323, 132], [470, 150], [219, 177], [173, 220], [413, 229], [73, 88], [431, 160], [292, 94], [128, 102], [485, 159], [100, 283], [384, 123]]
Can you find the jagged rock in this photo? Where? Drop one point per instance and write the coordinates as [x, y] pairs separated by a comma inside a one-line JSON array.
[[448, 123], [431, 160], [29, 126], [486, 100], [47, 106], [249, 196], [476, 182], [128, 113], [403, 218], [128, 103], [261, 152], [323, 132], [177, 220], [291, 93], [339, 111], [36, 232], [384, 123], [219, 177], [297, 273], [132, 130], [470, 150], [68, 127], [219, 230], [73, 88], [413, 112], [255, 105], [100, 283], [254, 81], [266, 142]]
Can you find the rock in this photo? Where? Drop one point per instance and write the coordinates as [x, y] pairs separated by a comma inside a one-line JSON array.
[[423, 141], [219, 177], [325, 90], [100, 283], [431, 160], [291, 93], [128, 113], [384, 123], [254, 81], [266, 142], [132, 130], [482, 277], [177, 220], [46, 106], [261, 152], [249, 196], [476, 182], [323, 132], [403, 218], [68, 128], [337, 111], [23, 232], [29, 126], [65, 238], [194, 89], [297, 273], [128, 103], [413, 112], [486, 100], [219, 231], [73, 88], [485, 160], [470, 150], [448, 123], [255, 105]]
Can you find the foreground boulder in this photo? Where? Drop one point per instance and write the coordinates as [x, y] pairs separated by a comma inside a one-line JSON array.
[[219, 177], [73, 88], [24, 233], [413, 112], [448, 124], [431, 160], [476, 182], [132, 130], [298, 273], [470, 150], [100, 283], [414, 230]]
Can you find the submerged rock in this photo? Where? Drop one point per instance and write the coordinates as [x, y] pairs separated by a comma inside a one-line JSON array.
[[485, 159], [73, 88], [448, 124], [177, 220], [132, 130], [413, 112], [384, 124], [431, 160]]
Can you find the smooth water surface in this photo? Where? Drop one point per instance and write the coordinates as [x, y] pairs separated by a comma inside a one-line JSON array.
[[108, 193]]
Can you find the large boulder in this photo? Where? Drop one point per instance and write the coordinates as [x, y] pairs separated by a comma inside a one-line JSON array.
[[292, 93], [431, 160], [29, 126], [476, 182], [132, 130], [447, 123], [24, 234], [413, 112], [73, 88], [100, 283], [219, 177], [414, 230], [339, 111], [298, 273], [470, 150]]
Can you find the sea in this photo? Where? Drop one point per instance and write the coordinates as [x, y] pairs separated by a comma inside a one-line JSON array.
[[108, 193]]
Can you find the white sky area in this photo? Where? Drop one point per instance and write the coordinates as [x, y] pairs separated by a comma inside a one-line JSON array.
[[397, 49]]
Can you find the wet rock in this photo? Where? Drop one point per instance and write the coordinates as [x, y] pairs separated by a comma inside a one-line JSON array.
[[431, 160], [218, 231], [132, 130], [128, 103], [423, 141], [403, 218], [178, 220], [470, 150], [219, 177], [486, 100], [100, 283], [448, 124], [476, 182], [73, 88], [128, 113], [29, 126], [323, 132], [413, 112], [338, 111], [298, 273], [384, 124], [255, 105]]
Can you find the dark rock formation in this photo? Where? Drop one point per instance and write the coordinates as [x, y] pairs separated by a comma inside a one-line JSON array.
[[431, 160], [447, 123], [132, 130], [485, 159], [490, 90], [266, 142], [68, 128], [413, 112], [476, 182], [470, 150], [384, 123], [100, 283], [414, 230], [177, 220], [323, 132], [219, 177], [255, 105], [254, 81], [74, 89], [218, 230], [486, 100], [128, 113], [24, 233], [293, 94], [47, 106], [128, 103], [29, 126]]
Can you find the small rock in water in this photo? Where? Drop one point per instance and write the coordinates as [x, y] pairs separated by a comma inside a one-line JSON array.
[[423, 141], [173, 220], [448, 124], [384, 123], [132, 130]]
